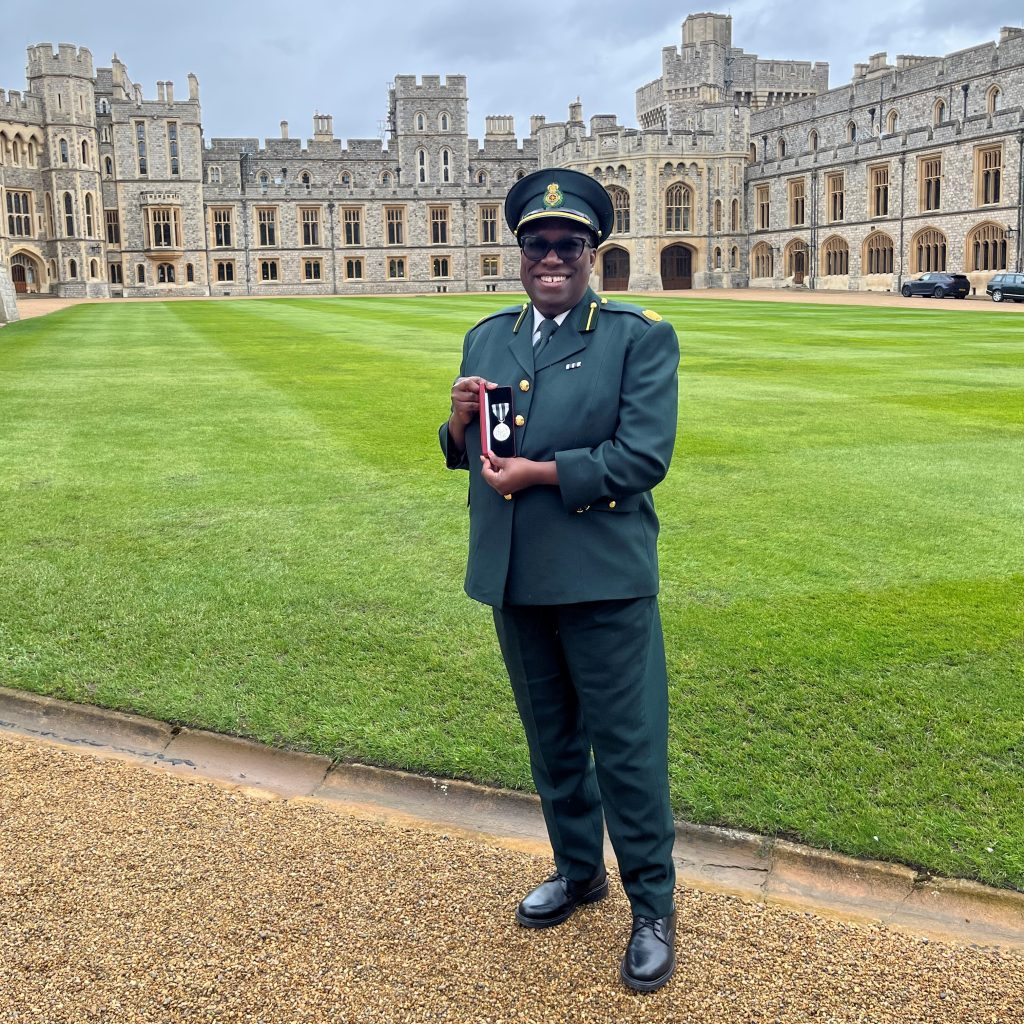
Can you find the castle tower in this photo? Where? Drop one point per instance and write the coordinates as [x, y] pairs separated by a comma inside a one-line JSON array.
[[63, 81], [429, 120]]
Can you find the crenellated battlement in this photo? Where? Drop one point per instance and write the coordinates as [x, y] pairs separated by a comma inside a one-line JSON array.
[[409, 86], [67, 59], [19, 106]]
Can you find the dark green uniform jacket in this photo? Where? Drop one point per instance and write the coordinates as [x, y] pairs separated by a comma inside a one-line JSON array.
[[602, 401]]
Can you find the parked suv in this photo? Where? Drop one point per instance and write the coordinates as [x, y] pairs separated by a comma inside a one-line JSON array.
[[938, 285], [1006, 286]]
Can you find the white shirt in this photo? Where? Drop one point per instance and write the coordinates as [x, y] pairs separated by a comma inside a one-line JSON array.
[[538, 316]]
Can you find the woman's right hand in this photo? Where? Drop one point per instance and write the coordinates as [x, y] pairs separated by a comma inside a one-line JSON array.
[[466, 398]]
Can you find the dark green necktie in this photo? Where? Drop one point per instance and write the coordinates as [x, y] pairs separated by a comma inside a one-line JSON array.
[[547, 328]]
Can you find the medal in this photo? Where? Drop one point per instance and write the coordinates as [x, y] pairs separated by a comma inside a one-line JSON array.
[[501, 431]]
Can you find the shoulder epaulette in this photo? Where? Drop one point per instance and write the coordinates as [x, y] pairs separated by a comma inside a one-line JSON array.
[[624, 307], [507, 311]]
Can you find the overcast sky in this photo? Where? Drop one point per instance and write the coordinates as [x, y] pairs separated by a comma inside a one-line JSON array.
[[259, 63]]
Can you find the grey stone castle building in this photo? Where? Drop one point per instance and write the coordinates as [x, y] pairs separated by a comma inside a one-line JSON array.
[[742, 172]]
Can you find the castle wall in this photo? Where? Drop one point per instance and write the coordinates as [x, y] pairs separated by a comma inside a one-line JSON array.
[[110, 189]]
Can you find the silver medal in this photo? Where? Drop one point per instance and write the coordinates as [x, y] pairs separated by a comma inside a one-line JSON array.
[[500, 431]]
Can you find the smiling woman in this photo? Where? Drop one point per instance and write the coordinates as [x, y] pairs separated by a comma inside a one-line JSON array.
[[563, 548]]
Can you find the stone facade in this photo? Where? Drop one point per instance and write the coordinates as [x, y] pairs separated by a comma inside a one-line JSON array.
[[8, 303], [743, 171], [909, 168]]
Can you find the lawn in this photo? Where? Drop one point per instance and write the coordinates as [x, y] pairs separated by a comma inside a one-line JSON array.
[[235, 515]]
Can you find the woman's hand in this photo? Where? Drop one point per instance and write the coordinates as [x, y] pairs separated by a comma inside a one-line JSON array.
[[465, 407], [507, 476]]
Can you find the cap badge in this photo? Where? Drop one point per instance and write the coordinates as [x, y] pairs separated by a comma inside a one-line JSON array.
[[553, 197]]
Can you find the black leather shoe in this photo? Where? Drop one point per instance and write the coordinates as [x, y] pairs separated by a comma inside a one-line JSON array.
[[554, 900], [651, 954]]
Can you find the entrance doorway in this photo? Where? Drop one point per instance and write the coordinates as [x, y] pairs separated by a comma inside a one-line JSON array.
[[24, 273], [615, 270], [797, 261], [676, 268]]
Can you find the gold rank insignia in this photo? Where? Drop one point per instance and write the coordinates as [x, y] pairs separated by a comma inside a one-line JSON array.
[[651, 315], [553, 197]]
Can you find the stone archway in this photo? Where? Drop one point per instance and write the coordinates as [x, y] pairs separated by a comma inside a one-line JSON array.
[[677, 267], [615, 270], [26, 273]]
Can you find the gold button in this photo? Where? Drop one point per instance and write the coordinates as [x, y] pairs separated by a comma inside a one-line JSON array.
[[524, 385], [520, 420], [508, 497], [611, 504]]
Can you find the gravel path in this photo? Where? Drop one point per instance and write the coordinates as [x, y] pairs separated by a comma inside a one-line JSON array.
[[131, 896]]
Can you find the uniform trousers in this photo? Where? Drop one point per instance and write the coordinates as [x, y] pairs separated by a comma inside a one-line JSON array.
[[591, 677]]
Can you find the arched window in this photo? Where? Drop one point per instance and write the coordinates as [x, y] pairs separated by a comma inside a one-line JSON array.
[[421, 122], [89, 218], [928, 250], [939, 112], [140, 273], [892, 122], [108, 166], [346, 179], [718, 258], [678, 207], [994, 99], [444, 122], [763, 260], [734, 215], [69, 216], [63, 151], [780, 148], [421, 165], [812, 141], [385, 179], [213, 173], [718, 215], [986, 248], [165, 273], [446, 165], [264, 179], [85, 153], [620, 204], [520, 174], [306, 179], [835, 257], [73, 269], [851, 131], [878, 253], [751, 153], [31, 154], [190, 273], [481, 177], [49, 216], [734, 258], [94, 269]]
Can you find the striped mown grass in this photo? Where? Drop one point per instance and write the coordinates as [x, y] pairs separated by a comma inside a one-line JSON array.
[[235, 514]]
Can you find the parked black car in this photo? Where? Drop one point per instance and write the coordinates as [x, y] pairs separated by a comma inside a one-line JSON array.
[[1006, 286], [939, 286]]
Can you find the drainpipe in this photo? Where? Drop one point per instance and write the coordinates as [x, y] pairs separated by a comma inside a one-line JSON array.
[[903, 196], [334, 251], [708, 212], [812, 269], [1020, 196]]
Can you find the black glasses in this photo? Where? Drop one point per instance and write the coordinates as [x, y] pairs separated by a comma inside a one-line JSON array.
[[568, 250]]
